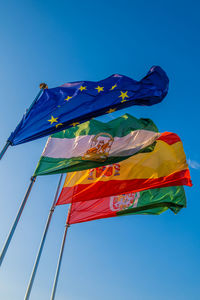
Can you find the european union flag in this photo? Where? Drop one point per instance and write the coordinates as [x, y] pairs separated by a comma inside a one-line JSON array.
[[73, 103]]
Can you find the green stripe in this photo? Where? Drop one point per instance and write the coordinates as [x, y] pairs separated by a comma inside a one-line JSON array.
[[48, 165], [117, 128], [156, 201], [152, 209]]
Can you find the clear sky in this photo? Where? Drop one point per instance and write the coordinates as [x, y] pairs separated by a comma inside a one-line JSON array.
[[133, 257]]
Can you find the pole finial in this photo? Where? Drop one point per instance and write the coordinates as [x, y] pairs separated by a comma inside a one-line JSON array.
[[43, 86]]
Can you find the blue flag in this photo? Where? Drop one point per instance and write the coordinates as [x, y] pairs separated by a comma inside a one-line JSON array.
[[74, 103]]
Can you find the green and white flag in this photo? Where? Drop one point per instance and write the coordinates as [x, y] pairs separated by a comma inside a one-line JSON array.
[[94, 143]]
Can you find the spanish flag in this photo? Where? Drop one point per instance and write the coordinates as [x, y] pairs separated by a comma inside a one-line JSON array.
[[163, 167]]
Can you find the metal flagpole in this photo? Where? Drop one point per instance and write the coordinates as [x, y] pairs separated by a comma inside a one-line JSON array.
[[60, 256], [30, 284], [3, 151], [43, 86], [6, 245]]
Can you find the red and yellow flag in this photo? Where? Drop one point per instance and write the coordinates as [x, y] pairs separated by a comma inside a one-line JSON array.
[[164, 166]]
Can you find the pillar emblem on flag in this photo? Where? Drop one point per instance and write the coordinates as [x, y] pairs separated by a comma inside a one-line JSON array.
[[124, 201], [99, 147]]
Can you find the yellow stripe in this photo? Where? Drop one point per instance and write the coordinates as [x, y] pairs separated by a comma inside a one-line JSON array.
[[164, 160]]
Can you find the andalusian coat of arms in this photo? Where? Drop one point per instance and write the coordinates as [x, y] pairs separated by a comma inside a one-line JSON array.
[[99, 147]]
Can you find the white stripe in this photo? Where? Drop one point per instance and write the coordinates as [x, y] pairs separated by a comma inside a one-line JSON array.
[[122, 146]]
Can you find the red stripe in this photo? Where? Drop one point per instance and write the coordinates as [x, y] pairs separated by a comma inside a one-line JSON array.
[[91, 210], [169, 138], [102, 216], [100, 189]]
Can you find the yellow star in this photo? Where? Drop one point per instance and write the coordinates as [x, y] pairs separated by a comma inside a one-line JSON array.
[[53, 120], [123, 96], [111, 110], [59, 124], [113, 87], [82, 88], [74, 124], [99, 88], [68, 97]]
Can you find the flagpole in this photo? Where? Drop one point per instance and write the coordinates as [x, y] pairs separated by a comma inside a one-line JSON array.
[[60, 256], [43, 86], [3, 151], [30, 284], [9, 238]]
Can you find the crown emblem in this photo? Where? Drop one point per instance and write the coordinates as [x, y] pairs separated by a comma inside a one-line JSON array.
[[124, 201], [99, 147]]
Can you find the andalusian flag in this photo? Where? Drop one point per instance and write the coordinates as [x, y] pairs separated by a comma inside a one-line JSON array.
[[94, 144], [154, 202], [164, 166]]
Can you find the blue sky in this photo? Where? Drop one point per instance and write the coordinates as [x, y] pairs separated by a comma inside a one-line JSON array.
[[135, 257]]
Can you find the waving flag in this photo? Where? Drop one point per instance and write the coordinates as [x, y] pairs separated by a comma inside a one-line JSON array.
[[93, 144], [74, 103], [164, 166], [154, 202]]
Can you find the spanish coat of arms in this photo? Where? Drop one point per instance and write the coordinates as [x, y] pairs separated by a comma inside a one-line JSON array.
[[124, 201]]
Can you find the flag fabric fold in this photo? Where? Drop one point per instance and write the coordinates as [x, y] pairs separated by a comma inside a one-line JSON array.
[[77, 102], [153, 201], [94, 144], [164, 166]]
